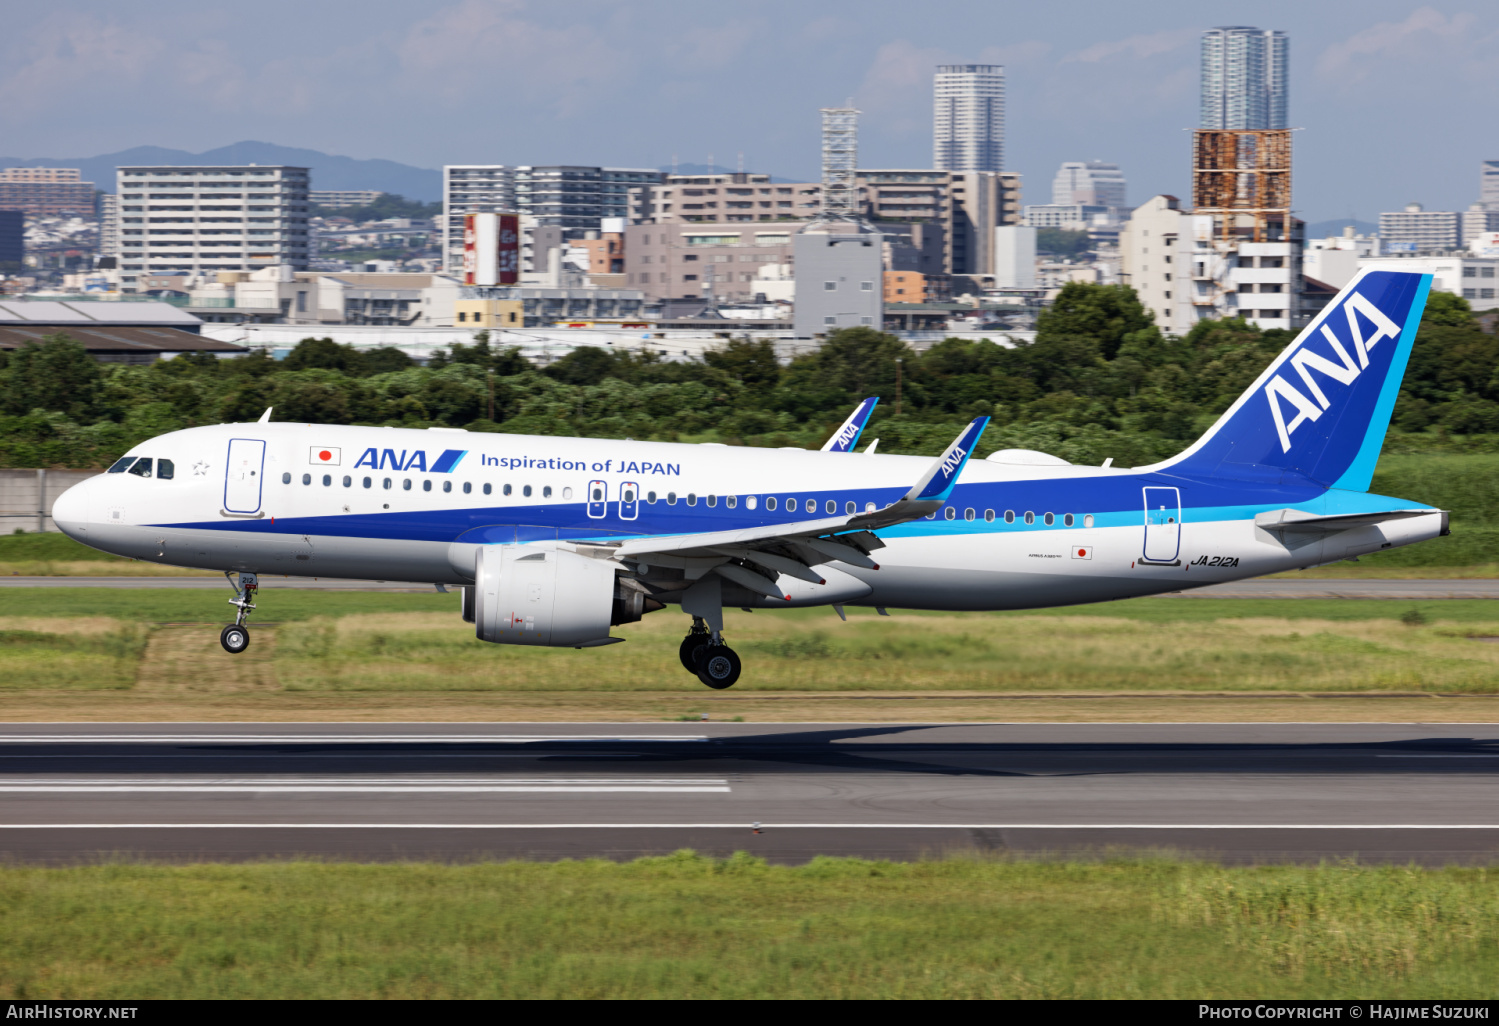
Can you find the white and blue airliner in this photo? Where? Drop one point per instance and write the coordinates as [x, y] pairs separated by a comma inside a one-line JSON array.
[[553, 541]]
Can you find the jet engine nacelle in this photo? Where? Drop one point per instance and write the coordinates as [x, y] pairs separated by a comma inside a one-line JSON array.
[[530, 596]]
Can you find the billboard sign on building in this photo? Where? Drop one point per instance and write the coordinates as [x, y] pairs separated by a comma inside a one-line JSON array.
[[491, 249]]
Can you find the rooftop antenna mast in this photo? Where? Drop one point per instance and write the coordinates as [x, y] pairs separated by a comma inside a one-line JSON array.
[[840, 162]]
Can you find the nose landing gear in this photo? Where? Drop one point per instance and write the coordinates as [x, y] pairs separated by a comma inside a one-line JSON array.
[[703, 653], [235, 638]]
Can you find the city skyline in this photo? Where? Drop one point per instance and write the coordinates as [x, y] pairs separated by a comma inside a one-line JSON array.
[[1109, 83]]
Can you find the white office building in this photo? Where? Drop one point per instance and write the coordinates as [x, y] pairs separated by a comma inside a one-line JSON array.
[[968, 118], [1244, 78], [1091, 183], [1476, 279], [1182, 275], [471, 189], [1488, 184], [343, 198], [1418, 230], [197, 220], [1334, 260]]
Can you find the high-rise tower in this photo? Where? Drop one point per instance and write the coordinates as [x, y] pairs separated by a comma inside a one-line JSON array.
[[1244, 78], [968, 118]]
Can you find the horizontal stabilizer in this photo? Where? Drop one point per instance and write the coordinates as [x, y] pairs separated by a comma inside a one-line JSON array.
[[1296, 520]]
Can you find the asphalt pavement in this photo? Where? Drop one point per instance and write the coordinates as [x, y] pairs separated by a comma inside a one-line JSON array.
[[1236, 792]]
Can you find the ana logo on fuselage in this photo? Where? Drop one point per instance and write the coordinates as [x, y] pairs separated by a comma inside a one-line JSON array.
[[415, 459], [1344, 372]]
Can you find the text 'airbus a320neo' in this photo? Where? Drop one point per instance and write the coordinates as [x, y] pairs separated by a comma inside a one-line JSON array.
[[555, 540]]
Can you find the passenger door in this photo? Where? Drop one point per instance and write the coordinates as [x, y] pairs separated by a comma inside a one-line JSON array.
[[1163, 525], [629, 500], [243, 472]]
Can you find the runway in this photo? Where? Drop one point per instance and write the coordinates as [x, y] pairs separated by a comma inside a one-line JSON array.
[[1279, 588], [1236, 792]]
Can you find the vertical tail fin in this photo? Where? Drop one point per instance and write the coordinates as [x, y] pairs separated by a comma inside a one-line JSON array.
[[847, 436], [1320, 411]]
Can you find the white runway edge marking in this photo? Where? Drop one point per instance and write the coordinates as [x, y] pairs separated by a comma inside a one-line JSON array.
[[323, 739], [747, 826]]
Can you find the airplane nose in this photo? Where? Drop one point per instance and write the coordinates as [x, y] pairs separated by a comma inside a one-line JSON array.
[[71, 511]]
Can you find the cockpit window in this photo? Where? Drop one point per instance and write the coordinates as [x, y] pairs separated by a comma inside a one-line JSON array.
[[164, 470], [142, 467], [121, 464]]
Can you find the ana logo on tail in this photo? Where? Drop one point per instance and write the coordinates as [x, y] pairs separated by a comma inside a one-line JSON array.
[[1344, 372]]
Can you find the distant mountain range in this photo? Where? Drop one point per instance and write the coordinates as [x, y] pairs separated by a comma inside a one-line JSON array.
[[328, 171]]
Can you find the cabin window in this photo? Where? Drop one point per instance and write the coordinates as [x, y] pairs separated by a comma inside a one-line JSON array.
[[692, 498], [712, 501], [968, 513], [731, 501], [307, 479], [988, 516], [811, 505], [671, 498], [869, 507], [286, 478], [1049, 519], [546, 491], [164, 470], [1087, 519], [368, 482], [770, 503], [142, 467], [850, 506], [489, 488], [467, 487], [1030, 518], [447, 486], [427, 485], [598, 495], [832, 506], [348, 481], [121, 464], [505, 490], [385, 483], [327, 480], [526, 491], [750, 502], [1009, 516], [406, 484], [949, 513], [1067, 520], [567, 493], [650, 497]]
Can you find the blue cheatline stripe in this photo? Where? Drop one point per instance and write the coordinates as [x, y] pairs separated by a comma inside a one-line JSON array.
[[448, 460], [1361, 471]]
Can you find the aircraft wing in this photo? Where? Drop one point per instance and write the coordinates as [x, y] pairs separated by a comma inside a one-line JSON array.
[[847, 436], [755, 556], [1296, 520]]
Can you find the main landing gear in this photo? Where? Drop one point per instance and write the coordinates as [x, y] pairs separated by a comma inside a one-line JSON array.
[[704, 654], [236, 637]]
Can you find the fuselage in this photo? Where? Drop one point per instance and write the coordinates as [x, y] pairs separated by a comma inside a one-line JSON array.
[[411, 505]]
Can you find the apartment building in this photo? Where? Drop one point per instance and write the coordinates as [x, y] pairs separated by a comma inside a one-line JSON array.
[[729, 197], [46, 192], [1244, 78], [109, 225], [336, 199], [1418, 230], [576, 198], [1183, 275], [1476, 279], [693, 260], [968, 117], [1090, 183], [471, 189], [209, 219]]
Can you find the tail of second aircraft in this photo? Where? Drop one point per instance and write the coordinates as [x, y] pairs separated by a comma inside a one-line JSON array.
[[1319, 412]]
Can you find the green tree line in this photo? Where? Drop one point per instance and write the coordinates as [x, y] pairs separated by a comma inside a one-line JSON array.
[[1100, 380]]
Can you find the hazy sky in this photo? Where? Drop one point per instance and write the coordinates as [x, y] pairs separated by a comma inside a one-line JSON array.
[[1397, 99]]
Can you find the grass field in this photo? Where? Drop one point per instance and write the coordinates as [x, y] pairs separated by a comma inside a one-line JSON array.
[[690, 927], [97, 653]]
